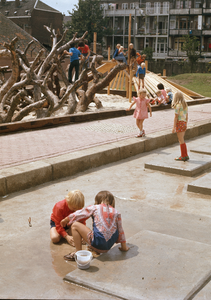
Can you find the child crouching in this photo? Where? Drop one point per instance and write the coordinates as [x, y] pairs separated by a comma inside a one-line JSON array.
[[107, 226], [72, 202]]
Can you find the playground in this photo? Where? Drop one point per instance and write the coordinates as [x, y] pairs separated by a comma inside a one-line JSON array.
[[164, 204]]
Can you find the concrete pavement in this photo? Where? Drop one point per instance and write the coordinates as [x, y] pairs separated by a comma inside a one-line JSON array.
[[30, 158], [167, 227]]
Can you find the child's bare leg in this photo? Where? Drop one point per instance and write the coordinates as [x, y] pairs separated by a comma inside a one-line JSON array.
[[139, 83], [142, 83], [79, 231], [139, 124], [54, 235], [181, 136]]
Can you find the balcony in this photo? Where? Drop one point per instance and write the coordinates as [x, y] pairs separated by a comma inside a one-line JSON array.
[[140, 31], [119, 12], [177, 53], [195, 32], [157, 10], [157, 55], [206, 32], [163, 31], [178, 31], [180, 11], [207, 10], [151, 31], [195, 11]]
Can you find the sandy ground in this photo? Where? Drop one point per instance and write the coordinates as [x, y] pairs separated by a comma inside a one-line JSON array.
[[109, 102]]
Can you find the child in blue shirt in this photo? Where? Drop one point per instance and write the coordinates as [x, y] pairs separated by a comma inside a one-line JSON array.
[[169, 97], [74, 61], [141, 74]]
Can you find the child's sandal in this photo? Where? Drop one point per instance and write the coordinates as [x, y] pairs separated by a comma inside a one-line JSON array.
[[180, 158], [70, 256]]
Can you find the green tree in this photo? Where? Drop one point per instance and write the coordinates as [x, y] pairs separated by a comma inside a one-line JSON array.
[[88, 16], [149, 53], [191, 46]]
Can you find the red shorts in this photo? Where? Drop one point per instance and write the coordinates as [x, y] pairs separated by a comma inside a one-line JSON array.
[[181, 126]]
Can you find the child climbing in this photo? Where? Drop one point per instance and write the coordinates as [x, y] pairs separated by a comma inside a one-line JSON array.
[[141, 110], [180, 123], [141, 74], [72, 202], [107, 226]]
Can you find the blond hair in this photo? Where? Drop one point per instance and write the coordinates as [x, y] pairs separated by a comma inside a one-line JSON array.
[[121, 48], [179, 98], [141, 91], [142, 64], [118, 45], [158, 92], [105, 197], [75, 198], [168, 89]]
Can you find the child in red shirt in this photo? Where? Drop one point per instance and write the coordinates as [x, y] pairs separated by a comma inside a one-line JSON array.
[[85, 51], [72, 202]]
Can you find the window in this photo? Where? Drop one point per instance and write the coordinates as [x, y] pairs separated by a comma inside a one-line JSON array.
[[198, 4], [165, 7], [124, 5], [157, 7], [132, 6]]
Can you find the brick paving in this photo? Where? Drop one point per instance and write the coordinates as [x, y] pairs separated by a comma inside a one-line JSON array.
[[23, 147]]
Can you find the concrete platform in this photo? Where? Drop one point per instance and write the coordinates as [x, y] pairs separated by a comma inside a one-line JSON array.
[[203, 149], [201, 185], [157, 267], [166, 163]]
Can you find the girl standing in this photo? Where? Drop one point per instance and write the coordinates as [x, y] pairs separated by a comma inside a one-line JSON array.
[[141, 110], [180, 123], [107, 226]]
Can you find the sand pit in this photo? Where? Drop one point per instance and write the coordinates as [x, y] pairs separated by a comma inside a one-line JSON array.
[[109, 102]]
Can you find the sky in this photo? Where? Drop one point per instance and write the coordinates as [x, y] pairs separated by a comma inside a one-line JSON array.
[[61, 5]]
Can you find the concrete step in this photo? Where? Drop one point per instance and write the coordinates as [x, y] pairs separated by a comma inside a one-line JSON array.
[[167, 163], [157, 266], [201, 185], [203, 149]]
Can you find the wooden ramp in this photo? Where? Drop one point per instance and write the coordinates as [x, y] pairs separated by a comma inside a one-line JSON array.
[[151, 81]]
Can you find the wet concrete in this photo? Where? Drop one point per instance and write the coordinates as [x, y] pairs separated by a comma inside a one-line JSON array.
[[32, 267]]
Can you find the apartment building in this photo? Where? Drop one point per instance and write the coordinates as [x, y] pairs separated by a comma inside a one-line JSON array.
[[159, 25], [193, 18], [149, 26]]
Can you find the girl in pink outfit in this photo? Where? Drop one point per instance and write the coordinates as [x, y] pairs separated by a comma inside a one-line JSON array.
[[141, 110]]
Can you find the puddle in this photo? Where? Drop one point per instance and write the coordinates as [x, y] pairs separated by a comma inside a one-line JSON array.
[[61, 266]]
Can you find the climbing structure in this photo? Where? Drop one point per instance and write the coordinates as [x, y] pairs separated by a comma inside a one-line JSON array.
[[151, 81]]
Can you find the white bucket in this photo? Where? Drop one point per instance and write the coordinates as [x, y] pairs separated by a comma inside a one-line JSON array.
[[83, 259]]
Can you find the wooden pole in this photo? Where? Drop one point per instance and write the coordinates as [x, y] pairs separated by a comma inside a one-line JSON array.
[[130, 84], [95, 42], [109, 53], [146, 64], [164, 72], [109, 86], [130, 67]]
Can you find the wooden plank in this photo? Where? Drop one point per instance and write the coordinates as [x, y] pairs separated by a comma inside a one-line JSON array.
[[123, 79], [119, 80], [114, 84]]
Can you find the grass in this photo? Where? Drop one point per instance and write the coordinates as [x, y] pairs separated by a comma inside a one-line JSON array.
[[197, 82]]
